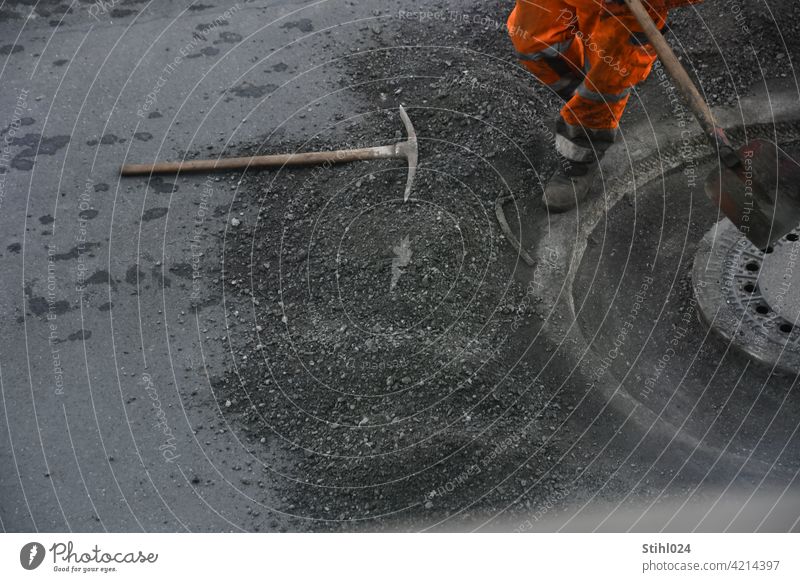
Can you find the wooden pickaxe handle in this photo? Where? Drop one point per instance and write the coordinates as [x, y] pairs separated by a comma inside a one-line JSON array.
[[267, 161], [684, 82]]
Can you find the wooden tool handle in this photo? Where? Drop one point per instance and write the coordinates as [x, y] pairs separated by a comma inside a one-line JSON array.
[[696, 102], [268, 161]]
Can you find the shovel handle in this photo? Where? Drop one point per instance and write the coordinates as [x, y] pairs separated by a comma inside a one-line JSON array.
[[682, 79], [268, 161]]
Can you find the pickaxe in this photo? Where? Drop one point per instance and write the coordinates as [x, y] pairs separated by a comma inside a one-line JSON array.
[[405, 149]]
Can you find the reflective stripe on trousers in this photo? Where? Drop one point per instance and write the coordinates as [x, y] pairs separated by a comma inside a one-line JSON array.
[[588, 40]]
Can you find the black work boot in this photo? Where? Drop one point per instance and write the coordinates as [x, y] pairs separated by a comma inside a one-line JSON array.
[[569, 185], [579, 150]]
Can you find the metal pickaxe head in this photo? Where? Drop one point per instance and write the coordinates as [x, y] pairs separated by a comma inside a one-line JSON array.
[[409, 150]]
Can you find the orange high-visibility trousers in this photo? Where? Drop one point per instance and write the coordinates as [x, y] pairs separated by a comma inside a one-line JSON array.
[[590, 52]]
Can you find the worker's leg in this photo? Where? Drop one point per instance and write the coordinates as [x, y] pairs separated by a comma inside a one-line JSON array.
[[543, 34], [617, 57]]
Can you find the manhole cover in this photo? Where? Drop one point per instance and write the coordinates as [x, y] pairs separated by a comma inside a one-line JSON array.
[[751, 297]]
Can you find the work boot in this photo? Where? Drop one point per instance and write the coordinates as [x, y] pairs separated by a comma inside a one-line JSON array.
[[569, 185], [579, 150]]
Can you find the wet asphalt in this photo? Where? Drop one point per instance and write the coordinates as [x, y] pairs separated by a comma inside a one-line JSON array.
[[108, 418]]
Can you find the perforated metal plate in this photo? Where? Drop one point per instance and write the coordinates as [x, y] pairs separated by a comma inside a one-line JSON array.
[[750, 297]]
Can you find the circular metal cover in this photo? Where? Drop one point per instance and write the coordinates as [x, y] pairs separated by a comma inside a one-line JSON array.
[[750, 297], [780, 278]]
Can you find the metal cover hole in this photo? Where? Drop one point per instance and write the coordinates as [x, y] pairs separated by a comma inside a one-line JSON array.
[[751, 266], [792, 237], [749, 287], [762, 309], [786, 327]]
